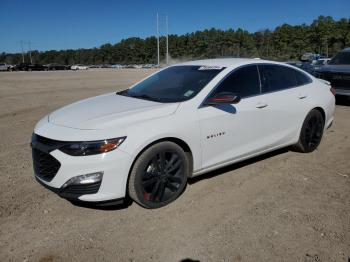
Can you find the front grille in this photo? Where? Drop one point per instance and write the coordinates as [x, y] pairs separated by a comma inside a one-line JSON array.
[[45, 165], [82, 189]]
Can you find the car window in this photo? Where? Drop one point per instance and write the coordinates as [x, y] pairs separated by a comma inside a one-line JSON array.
[[301, 78], [276, 77], [244, 82], [342, 58]]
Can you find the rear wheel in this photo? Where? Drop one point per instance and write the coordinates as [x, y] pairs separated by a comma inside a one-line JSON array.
[[311, 132], [159, 175]]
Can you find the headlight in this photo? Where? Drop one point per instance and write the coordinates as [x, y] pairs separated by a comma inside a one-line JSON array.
[[92, 148]]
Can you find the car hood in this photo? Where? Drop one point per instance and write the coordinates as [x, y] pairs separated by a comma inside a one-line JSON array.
[[108, 110]]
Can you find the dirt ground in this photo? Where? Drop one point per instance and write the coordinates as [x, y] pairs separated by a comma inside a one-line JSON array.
[[284, 206]]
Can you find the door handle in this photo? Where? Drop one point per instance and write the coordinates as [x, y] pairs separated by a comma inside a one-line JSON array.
[[302, 96], [261, 105]]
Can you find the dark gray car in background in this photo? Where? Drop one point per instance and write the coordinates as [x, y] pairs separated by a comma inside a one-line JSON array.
[[337, 72]]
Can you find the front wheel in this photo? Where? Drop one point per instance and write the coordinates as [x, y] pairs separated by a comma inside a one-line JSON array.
[[159, 175], [311, 132]]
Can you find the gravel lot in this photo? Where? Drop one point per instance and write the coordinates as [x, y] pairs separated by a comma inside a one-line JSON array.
[[284, 206]]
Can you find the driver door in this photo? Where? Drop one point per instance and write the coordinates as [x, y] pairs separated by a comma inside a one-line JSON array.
[[233, 131]]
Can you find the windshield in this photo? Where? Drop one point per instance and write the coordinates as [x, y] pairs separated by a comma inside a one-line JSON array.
[[342, 58], [174, 84]]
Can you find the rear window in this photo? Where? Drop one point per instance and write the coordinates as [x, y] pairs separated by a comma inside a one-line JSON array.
[[301, 78], [275, 77]]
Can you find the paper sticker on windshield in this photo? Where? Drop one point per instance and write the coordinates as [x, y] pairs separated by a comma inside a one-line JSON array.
[[210, 68], [188, 93]]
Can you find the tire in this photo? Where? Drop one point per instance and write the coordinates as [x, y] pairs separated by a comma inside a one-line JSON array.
[[311, 132], [154, 183]]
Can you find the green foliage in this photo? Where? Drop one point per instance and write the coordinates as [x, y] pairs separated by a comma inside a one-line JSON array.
[[286, 42]]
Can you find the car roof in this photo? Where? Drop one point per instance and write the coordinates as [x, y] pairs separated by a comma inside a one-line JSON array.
[[228, 62], [346, 49]]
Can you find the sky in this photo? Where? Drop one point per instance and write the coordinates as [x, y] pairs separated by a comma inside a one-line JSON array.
[[72, 24]]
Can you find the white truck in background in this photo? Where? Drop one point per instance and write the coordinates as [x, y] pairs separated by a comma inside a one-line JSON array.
[[4, 67]]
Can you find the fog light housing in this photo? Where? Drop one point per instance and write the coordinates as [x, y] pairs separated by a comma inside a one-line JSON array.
[[84, 179]]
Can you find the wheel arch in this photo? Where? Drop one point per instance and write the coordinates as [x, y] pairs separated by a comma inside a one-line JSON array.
[[322, 111], [175, 140]]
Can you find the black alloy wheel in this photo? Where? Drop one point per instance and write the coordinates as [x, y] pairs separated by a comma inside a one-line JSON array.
[[159, 175], [311, 132]]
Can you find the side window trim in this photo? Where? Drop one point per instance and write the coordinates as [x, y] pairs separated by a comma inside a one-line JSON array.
[[259, 74], [287, 88], [226, 76]]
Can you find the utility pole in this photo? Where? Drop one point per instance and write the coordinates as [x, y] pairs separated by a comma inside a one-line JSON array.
[[21, 42], [157, 39], [167, 40], [30, 51]]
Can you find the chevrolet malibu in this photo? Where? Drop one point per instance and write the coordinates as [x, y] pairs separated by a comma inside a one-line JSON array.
[[185, 120]]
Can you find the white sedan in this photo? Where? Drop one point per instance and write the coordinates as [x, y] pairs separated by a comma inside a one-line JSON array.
[[79, 67], [183, 121]]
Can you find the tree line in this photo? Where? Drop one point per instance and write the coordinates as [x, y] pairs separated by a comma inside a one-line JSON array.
[[324, 36]]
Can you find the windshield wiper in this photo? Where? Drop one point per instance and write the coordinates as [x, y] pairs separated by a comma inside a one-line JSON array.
[[123, 92], [144, 96]]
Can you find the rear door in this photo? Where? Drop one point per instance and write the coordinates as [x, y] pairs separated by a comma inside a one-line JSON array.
[[287, 93]]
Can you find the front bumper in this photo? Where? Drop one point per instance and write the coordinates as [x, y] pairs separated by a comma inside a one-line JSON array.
[[75, 197], [114, 165]]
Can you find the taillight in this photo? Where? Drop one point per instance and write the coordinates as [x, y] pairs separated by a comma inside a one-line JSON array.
[[333, 91]]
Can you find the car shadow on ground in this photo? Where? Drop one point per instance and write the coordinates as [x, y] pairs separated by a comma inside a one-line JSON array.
[[342, 100], [238, 165], [128, 201]]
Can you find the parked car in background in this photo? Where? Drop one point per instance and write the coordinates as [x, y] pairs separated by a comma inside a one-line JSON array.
[[309, 57], [4, 67], [56, 67], [321, 61], [297, 64], [79, 67], [307, 67], [30, 67], [180, 122], [337, 72], [116, 66]]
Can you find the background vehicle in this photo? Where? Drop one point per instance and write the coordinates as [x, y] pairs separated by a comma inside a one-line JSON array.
[[56, 67], [30, 67], [79, 67], [297, 64], [4, 67], [182, 121], [337, 72], [321, 61]]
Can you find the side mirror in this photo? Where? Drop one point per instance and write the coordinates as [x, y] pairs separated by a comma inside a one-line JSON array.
[[223, 98]]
